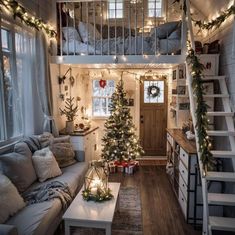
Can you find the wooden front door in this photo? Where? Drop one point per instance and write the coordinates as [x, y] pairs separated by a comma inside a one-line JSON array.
[[153, 116]]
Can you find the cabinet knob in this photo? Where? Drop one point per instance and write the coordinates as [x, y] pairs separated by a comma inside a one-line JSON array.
[[182, 171], [182, 199]]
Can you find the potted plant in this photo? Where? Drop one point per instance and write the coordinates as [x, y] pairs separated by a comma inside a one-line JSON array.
[[70, 112]]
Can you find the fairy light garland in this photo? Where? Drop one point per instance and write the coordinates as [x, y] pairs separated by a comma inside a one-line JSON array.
[[202, 121], [216, 22], [19, 11]]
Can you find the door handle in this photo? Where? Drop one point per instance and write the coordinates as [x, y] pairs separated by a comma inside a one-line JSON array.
[[141, 119]]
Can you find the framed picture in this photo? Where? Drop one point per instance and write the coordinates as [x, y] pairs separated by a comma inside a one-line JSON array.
[[181, 90], [174, 75]]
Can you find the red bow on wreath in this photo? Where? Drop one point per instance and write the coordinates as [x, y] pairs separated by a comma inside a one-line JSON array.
[[102, 83]]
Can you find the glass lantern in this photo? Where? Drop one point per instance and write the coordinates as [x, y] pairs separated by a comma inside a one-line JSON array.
[[96, 182]]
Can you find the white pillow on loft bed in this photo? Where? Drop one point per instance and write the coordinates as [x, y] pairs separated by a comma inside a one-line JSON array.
[[87, 32], [70, 34]]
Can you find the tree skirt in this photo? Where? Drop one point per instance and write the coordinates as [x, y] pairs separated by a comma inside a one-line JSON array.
[[127, 220]]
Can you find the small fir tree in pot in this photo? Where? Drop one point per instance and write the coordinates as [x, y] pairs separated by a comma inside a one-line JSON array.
[[70, 111], [120, 141]]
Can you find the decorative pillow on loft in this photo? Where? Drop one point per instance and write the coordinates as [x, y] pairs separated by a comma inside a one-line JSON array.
[[71, 34], [164, 30], [18, 167], [10, 199], [176, 34], [87, 32], [64, 153], [45, 164]]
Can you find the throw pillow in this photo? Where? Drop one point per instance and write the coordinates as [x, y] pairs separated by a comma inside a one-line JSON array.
[[45, 164], [176, 34], [10, 199], [86, 32], [18, 167], [71, 34], [45, 139], [62, 139], [63, 153], [164, 30]]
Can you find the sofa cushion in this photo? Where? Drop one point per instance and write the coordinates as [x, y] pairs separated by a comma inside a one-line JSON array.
[[45, 164], [33, 143], [61, 139], [10, 199], [43, 218], [64, 153], [22, 177], [37, 218]]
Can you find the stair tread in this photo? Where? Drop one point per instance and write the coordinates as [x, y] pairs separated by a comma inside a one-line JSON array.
[[221, 133], [223, 154], [220, 176], [222, 113], [213, 77], [222, 223], [221, 199], [216, 95]]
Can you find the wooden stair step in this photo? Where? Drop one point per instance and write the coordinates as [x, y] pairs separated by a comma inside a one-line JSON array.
[[221, 133], [220, 176], [223, 154], [222, 223], [213, 78], [221, 199], [216, 96], [226, 114]]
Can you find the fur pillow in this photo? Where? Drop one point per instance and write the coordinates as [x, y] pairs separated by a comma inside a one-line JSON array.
[[71, 34], [10, 199], [64, 153], [45, 164]]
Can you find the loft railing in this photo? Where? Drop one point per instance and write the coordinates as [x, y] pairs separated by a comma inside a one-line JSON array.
[[117, 27]]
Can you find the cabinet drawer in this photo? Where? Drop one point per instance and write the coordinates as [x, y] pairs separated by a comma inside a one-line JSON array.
[[169, 138], [183, 187], [183, 172], [183, 203], [184, 157]]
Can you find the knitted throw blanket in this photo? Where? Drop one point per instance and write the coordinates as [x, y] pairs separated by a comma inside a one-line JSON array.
[[49, 191]]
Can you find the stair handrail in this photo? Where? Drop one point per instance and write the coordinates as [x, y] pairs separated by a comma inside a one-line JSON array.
[[193, 111]]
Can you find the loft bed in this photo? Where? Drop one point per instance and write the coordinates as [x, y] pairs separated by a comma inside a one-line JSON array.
[[87, 34]]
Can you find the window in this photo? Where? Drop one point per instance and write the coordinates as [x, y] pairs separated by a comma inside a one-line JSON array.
[[153, 91], [115, 9], [155, 8], [16, 46], [102, 98]]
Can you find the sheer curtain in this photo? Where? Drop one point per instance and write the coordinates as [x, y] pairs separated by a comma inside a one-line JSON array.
[[25, 52], [43, 82]]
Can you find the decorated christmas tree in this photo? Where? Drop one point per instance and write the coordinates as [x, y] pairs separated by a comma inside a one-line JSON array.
[[120, 141]]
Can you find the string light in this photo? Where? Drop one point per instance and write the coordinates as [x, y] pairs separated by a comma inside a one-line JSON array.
[[19, 11]]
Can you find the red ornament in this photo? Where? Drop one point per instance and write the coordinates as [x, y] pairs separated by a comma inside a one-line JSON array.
[[102, 83]]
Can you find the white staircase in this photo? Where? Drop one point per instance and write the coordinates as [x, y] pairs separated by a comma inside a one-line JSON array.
[[210, 222], [221, 224]]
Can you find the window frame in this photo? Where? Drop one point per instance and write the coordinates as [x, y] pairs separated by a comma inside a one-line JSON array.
[[101, 97], [115, 9], [13, 27], [163, 9]]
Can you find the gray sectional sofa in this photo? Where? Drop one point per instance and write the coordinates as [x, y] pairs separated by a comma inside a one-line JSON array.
[[43, 218]]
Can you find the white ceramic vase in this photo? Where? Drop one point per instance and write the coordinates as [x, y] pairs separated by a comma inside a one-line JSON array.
[[69, 127]]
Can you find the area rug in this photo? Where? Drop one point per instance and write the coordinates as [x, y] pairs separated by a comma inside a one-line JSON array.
[[127, 220]]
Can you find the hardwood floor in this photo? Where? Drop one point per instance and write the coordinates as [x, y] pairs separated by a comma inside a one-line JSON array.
[[161, 212]]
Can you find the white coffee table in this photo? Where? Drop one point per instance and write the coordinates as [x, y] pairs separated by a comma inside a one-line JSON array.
[[91, 214]]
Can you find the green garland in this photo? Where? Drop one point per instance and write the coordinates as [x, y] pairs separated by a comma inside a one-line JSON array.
[[202, 123], [100, 196], [216, 22], [19, 11]]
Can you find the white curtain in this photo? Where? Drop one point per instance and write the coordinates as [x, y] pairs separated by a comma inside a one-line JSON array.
[[25, 53]]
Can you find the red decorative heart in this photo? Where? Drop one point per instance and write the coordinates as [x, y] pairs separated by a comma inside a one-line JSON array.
[[102, 83]]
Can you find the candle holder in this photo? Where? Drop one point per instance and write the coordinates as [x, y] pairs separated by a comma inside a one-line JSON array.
[[96, 183]]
